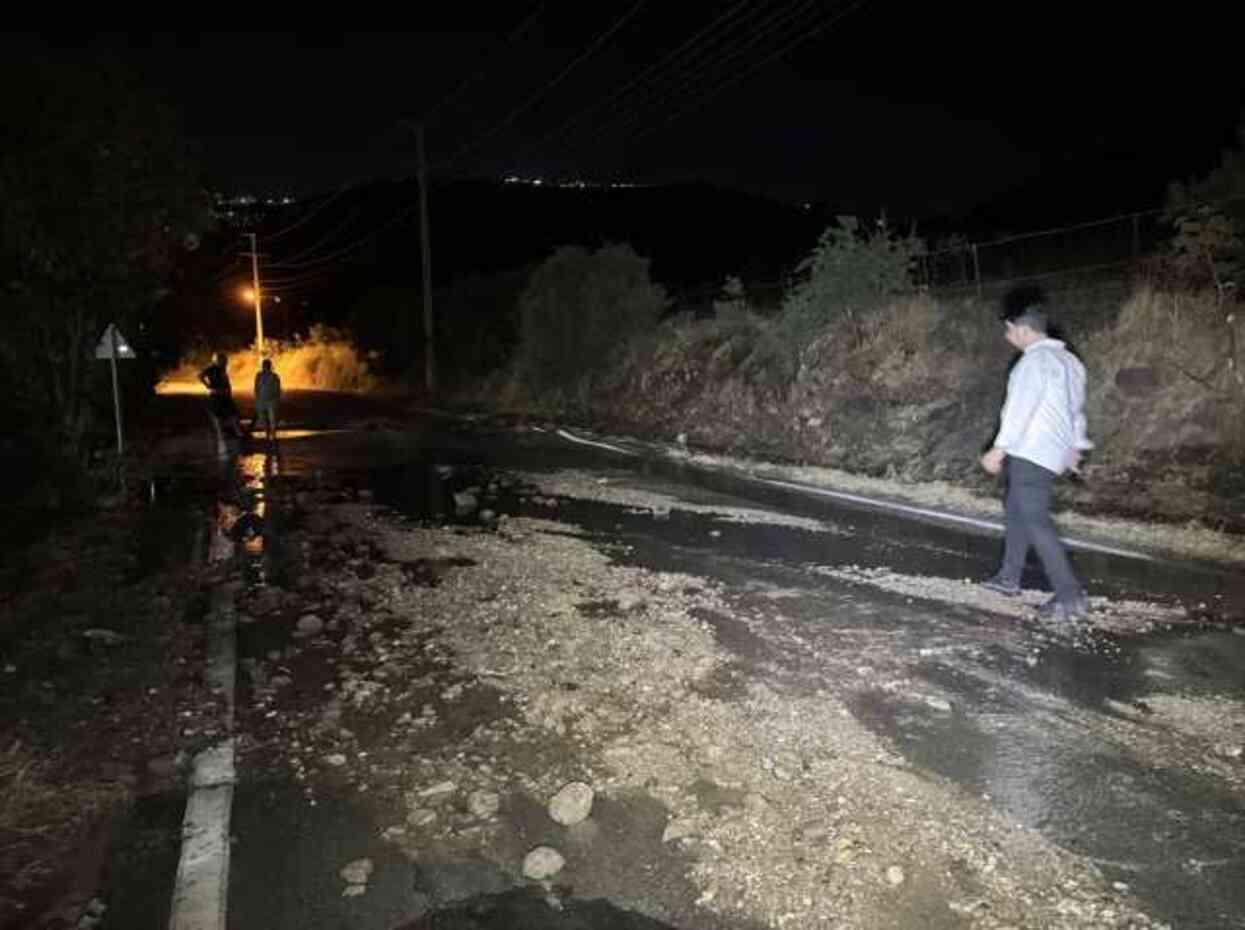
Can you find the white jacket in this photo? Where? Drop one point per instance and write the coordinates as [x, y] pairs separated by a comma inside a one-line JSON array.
[[1044, 415]]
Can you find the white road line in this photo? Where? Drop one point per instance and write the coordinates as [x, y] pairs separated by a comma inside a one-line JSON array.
[[945, 517], [570, 437], [200, 895], [882, 504]]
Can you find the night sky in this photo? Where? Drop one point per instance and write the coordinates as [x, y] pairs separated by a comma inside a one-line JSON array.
[[921, 109]]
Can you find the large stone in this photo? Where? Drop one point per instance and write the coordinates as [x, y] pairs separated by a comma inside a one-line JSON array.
[[439, 791], [465, 503], [572, 804], [542, 862], [483, 804], [357, 872], [309, 625]]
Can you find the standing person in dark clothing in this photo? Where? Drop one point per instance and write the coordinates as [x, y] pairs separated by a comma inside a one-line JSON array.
[[221, 408], [1042, 434], [267, 397]]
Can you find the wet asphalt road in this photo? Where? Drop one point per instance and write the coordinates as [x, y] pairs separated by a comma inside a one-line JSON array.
[[1042, 727]]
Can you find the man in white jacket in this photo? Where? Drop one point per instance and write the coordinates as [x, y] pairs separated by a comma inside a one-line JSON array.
[[1041, 435]]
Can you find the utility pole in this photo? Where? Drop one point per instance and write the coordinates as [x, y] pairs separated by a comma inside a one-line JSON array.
[[425, 248], [259, 316]]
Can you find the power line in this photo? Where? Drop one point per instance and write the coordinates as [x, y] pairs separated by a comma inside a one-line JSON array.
[[541, 92], [362, 240], [695, 69], [802, 36], [473, 78], [323, 205], [297, 260], [649, 72]]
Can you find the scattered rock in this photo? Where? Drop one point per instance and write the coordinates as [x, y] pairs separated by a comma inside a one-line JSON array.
[[353, 891], [357, 872], [483, 804], [488, 516], [107, 637], [439, 790], [1230, 750], [895, 876], [92, 915], [678, 829], [572, 804], [309, 625], [939, 704], [421, 817], [542, 862], [335, 759], [465, 504]]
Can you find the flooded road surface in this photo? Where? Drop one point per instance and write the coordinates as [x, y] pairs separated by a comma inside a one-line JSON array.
[[1122, 746]]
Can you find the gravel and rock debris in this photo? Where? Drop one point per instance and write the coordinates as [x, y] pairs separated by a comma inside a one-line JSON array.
[[532, 701]]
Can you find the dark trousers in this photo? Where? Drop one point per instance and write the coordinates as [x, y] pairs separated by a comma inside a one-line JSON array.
[[1029, 491]]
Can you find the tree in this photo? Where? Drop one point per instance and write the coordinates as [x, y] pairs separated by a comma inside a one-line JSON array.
[[1208, 218], [581, 307], [98, 196]]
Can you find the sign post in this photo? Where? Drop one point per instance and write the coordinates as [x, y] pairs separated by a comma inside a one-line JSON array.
[[112, 345]]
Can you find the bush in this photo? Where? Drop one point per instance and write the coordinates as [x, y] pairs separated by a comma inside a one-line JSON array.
[[579, 309], [850, 273]]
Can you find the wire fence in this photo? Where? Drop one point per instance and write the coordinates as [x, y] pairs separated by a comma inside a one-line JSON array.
[[1107, 247], [1088, 265]]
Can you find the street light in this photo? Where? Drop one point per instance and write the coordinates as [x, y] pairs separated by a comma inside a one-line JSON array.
[[247, 293]]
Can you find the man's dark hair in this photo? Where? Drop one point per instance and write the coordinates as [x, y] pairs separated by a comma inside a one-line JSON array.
[[1025, 305]]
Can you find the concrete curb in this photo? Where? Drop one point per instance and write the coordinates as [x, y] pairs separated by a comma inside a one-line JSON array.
[[200, 895]]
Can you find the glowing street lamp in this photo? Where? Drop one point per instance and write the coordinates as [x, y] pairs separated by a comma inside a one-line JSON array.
[[256, 295]]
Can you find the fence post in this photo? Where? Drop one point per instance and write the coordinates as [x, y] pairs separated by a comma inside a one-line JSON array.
[[976, 268]]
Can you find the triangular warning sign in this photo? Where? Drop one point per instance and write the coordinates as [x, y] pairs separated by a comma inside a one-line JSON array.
[[112, 336]]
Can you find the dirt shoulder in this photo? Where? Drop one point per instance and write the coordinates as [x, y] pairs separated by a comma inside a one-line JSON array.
[[457, 679], [101, 700]]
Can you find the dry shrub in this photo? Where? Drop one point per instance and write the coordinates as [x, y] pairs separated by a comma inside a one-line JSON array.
[[326, 360], [1165, 375], [909, 349], [42, 815]]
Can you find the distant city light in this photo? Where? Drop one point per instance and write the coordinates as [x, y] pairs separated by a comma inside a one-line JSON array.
[[568, 183]]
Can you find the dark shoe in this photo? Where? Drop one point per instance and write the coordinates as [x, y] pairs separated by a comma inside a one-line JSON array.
[[1000, 585], [1065, 612]]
